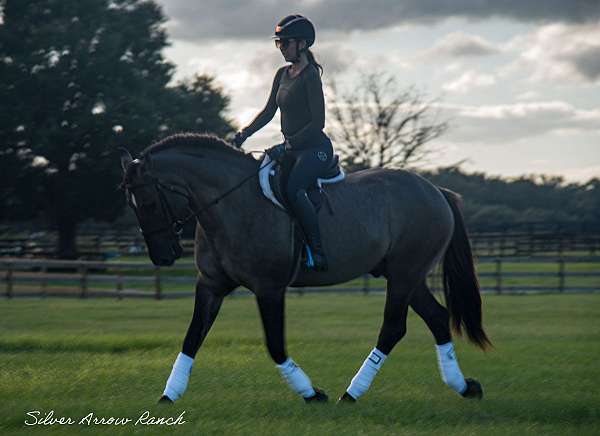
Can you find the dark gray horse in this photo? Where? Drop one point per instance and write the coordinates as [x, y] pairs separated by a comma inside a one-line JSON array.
[[386, 222]]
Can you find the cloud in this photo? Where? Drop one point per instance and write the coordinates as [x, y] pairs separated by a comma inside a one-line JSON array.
[[457, 44], [586, 61], [214, 19], [469, 80], [335, 59], [559, 52], [527, 95], [518, 121]]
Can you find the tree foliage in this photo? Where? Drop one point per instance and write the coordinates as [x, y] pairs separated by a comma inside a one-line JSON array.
[[492, 203], [80, 79]]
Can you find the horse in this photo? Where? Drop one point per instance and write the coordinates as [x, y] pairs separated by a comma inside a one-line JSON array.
[[387, 222]]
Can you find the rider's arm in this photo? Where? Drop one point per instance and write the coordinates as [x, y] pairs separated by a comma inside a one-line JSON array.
[[316, 105], [268, 112]]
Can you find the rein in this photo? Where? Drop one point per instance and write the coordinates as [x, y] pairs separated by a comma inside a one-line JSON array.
[[189, 196]]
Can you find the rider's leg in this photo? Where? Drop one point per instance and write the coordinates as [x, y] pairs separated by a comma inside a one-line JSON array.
[[306, 169]]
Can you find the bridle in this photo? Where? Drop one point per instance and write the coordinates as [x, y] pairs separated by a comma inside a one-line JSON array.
[[174, 224]]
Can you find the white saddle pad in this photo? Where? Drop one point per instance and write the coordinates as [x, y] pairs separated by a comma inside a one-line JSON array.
[[267, 169]]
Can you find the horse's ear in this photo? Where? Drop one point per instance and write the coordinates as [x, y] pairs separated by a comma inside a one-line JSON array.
[[126, 158]]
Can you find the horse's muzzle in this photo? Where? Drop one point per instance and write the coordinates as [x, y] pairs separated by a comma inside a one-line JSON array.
[[166, 256]]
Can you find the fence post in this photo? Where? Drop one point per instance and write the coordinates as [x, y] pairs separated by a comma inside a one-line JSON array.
[[366, 283], [561, 274], [498, 275], [44, 282], [83, 272], [119, 285], [530, 236], [561, 245], [157, 284], [9, 281]]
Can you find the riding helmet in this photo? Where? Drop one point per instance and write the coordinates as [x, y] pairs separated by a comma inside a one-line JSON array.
[[295, 26]]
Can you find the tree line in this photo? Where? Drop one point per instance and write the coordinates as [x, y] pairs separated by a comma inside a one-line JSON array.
[[493, 203]]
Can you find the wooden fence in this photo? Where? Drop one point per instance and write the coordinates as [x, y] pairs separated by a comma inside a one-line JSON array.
[[106, 245], [46, 278]]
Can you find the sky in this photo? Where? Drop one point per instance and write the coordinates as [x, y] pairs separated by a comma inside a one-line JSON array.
[[518, 81]]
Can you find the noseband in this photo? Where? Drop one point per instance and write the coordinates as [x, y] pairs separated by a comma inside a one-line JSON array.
[[175, 225]]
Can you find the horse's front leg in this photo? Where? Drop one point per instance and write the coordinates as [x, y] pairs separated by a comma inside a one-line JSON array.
[[272, 311], [209, 296]]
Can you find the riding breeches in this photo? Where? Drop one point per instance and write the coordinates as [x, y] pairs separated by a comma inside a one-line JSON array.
[[306, 165]]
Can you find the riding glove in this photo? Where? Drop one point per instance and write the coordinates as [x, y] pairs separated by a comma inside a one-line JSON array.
[[277, 151], [239, 138]]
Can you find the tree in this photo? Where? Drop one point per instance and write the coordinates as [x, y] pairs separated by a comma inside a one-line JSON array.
[[199, 104], [80, 79], [377, 125]]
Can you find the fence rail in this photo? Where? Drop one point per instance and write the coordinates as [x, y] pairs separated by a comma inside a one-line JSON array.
[[46, 278], [113, 244]]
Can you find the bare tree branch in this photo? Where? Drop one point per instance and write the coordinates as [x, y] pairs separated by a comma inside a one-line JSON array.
[[378, 125]]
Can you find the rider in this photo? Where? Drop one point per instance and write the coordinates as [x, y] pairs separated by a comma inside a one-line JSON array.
[[298, 93]]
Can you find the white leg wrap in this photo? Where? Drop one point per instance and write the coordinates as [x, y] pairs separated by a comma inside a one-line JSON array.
[[449, 369], [180, 375], [367, 372], [296, 378]]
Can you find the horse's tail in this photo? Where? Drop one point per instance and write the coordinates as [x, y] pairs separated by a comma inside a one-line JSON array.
[[461, 287]]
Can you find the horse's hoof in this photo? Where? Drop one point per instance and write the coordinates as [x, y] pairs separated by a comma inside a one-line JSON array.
[[165, 400], [474, 389], [318, 397], [346, 399]]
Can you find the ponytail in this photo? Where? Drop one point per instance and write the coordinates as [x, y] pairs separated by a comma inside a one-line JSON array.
[[312, 60]]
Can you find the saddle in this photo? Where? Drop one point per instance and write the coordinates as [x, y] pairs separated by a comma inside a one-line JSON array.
[[273, 176]]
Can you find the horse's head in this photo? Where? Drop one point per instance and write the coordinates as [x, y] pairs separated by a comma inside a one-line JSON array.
[[162, 205]]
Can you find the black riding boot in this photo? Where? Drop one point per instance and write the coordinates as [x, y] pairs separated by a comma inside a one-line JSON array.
[[307, 215]]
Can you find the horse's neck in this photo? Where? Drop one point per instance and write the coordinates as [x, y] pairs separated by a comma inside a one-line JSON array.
[[211, 178]]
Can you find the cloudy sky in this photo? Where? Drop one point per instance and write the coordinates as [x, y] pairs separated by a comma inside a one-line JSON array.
[[519, 81]]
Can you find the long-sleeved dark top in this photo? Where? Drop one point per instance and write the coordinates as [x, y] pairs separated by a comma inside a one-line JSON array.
[[302, 105]]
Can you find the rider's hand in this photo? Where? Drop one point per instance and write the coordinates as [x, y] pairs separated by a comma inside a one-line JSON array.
[[239, 138], [277, 151]]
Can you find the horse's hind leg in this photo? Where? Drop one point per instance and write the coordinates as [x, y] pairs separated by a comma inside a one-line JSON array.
[[209, 296], [398, 295], [437, 319], [433, 313]]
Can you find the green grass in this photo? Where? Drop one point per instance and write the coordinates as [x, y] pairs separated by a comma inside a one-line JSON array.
[[113, 358]]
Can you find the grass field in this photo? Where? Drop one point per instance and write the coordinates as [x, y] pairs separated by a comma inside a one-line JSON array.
[[113, 358]]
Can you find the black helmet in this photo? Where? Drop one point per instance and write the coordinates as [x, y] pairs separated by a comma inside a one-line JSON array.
[[295, 26]]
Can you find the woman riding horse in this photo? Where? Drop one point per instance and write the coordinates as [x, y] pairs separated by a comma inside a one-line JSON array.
[[298, 92], [391, 223]]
